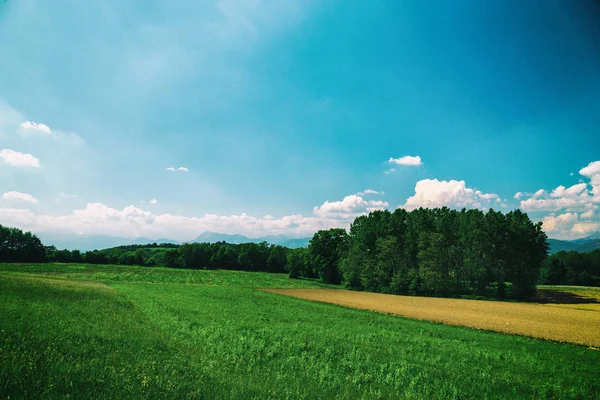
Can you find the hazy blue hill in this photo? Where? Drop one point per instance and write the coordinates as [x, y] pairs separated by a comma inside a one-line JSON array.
[[557, 245], [583, 245], [213, 237], [72, 241]]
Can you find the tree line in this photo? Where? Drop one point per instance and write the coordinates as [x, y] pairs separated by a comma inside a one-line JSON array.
[[221, 255], [19, 246], [571, 268], [432, 252]]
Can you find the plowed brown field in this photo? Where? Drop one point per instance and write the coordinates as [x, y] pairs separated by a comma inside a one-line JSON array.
[[575, 323]]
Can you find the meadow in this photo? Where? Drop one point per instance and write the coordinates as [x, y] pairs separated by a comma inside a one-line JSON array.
[[574, 323], [84, 331]]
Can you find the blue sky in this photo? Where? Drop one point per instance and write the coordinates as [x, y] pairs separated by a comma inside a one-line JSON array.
[[282, 114]]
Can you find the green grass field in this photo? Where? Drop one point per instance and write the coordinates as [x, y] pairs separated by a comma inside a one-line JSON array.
[[75, 331]]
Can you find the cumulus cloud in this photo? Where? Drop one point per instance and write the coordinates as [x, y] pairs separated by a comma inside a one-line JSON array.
[[518, 195], [585, 228], [348, 208], [577, 197], [431, 193], [573, 209], [18, 159], [406, 160], [32, 126], [559, 223], [18, 196], [98, 218], [588, 214], [153, 201], [592, 171]]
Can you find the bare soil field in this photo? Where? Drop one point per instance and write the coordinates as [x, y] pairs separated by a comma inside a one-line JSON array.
[[575, 323]]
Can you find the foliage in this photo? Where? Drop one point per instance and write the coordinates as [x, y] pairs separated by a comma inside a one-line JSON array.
[[571, 268], [325, 251], [19, 246], [439, 252], [221, 255]]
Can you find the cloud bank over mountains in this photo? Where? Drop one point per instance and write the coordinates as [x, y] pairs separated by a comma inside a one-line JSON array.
[[579, 203], [569, 212]]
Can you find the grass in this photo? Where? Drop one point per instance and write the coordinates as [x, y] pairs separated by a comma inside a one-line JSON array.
[[121, 273], [574, 323], [186, 336]]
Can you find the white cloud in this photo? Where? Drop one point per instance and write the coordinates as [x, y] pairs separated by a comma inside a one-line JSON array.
[[406, 160], [368, 191], [572, 192], [592, 171], [578, 204], [18, 159], [389, 171], [348, 208], [29, 125], [97, 218], [182, 169], [132, 221], [431, 193], [65, 196], [584, 228], [153, 201], [18, 196], [561, 223], [573, 198], [518, 195], [588, 214]]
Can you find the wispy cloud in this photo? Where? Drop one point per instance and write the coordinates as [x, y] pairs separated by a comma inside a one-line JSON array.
[[182, 169], [368, 191]]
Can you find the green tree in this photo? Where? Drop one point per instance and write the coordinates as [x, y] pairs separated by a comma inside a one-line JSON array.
[[326, 248]]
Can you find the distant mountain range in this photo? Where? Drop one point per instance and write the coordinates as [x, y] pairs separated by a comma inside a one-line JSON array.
[[72, 241], [213, 237], [584, 245], [96, 242]]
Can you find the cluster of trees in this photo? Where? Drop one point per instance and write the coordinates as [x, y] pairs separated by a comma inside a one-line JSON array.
[[245, 257], [571, 268], [19, 246], [439, 252]]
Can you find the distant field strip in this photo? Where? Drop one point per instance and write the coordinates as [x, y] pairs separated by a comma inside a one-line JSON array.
[[574, 323]]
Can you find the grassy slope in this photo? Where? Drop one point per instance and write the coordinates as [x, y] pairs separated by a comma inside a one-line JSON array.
[[129, 339]]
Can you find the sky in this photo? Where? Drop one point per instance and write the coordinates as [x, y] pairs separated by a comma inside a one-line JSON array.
[[168, 119]]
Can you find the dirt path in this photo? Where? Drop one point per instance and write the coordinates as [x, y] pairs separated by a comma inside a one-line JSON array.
[[575, 323]]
